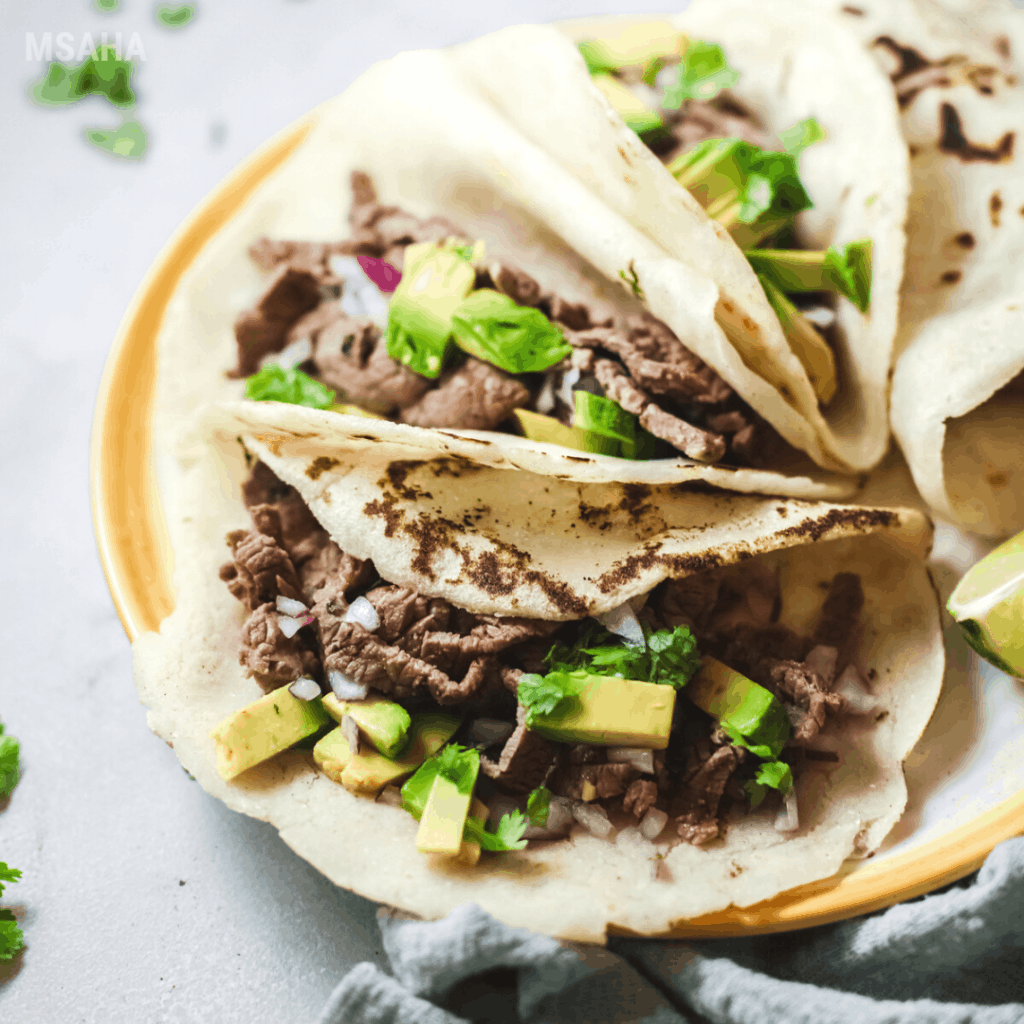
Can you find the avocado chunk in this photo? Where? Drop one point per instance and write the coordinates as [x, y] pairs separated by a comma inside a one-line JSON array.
[[384, 723], [434, 283], [629, 107], [547, 429], [750, 714], [444, 816], [613, 712], [370, 772], [264, 728]]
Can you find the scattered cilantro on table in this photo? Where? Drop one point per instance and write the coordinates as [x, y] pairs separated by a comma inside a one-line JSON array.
[[171, 16], [11, 937]]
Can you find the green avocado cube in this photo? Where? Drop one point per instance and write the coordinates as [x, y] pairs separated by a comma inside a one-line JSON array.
[[444, 818], [384, 723], [369, 771], [612, 712], [264, 728]]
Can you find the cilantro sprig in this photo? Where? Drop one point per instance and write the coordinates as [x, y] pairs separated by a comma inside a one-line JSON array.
[[703, 74], [507, 834], [9, 760], [11, 936], [770, 775], [538, 806]]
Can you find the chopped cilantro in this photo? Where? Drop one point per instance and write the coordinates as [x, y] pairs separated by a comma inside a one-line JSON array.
[[175, 17], [633, 280], [9, 756], [703, 74], [102, 74], [801, 135], [849, 270], [465, 251], [517, 339], [670, 657], [11, 938], [7, 875], [128, 141], [507, 834], [455, 763], [106, 5], [538, 806], [541, 695], [275, 384], [770, 775]]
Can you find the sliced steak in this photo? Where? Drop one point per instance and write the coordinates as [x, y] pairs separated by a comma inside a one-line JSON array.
[[840, 616], [476, 396], [272, 658], [522, 289], [695, 804], [607, 779], [798, 684], [640, 797], [261, 569], [524, 761]]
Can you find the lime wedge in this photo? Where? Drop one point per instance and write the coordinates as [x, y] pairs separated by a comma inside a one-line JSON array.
[[988, 603]]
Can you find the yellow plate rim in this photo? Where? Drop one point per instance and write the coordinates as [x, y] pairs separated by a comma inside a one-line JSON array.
[[128, 524]]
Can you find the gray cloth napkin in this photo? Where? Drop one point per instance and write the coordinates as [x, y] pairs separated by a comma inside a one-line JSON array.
[[954, 957]]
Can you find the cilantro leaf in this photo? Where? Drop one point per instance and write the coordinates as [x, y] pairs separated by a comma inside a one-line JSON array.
[[275, 384], [541, 695], [9, 758], [457, 764], [175, 17], [703, 74], [103, 73], [770, 775], [507, 834], [538, 806], [128, 141], [8, 875], [674, 656], [849, 270], [12, 939]]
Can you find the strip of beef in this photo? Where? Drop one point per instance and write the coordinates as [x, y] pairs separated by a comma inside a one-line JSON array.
[[476, 396], [330, 575], [272, 658], [298, 532], [261, 569], [409, 620], [840, 616], [640, 797], [264, 328], [524, 761], [351, 357], [798, 684], [522, 289], [491, 635], [695, 803], [607, 779]]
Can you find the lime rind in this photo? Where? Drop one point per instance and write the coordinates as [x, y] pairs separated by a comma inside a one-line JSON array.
[[975, 636]]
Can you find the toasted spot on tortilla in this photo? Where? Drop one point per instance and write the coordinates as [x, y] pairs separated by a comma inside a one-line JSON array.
[[385, 510], [955, 142], [633, 498], [995, 206], [996, 479], [320, 465], [396, 473], [966, 240], [460, 437], [782, 511], [857, 518], [855, 11], [622, 153], [950, 277]]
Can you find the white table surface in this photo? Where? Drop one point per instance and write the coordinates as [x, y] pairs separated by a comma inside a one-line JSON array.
[[143, 900]]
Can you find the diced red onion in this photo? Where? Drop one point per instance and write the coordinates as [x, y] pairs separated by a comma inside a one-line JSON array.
[[345, 688], [288, 625], [639, 757], [289, 606], [350, 731], [361, 611], [305, 689], [622, 621], [822, 660], [788, 818], [380, 272], [593, 818], [851, 686], [560, 819], [390, 795], [653, 823], [486, 732]]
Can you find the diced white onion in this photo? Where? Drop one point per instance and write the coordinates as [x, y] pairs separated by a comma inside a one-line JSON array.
[[632, 838], [822, 660], [390, 795], [290, 356], [852, 687], [820, 316], [545, 402], [653, 823], [622, 621], [305, 689], [345, 688], [288, 625], [350, 731], [485, 732], [788, 818], [560, 819], [360, 296], [569, 380], [289, 606], [361, 611], [639, 757], [593, 818]]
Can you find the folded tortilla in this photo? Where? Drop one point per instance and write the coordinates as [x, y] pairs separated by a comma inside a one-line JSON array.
[[510, 542], [508, 138], [957, 390]]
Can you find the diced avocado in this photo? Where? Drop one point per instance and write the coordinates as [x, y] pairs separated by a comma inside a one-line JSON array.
[[741, 707], [434, 282], [385, 723], [538, 427], [630, 107], [807, 344], [469, 851], [637, 44], [264, 728], [444, 816], [369, 772], [612, 712]]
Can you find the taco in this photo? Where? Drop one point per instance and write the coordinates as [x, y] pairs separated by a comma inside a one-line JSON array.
[[522, 263], [957, 385], [608, 704]]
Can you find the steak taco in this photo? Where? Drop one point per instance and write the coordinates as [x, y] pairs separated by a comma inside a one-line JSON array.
[[581, 705], [458, 245]]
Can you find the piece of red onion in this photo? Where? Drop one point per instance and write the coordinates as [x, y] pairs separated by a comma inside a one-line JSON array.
[[639, 757], [593, 818], [289, 606], [653, 823], [851, 686], [350, 731], [788, 818], [361, 611], [305, 688], [622, 621], [380, 272], [345, 688], [288, 625]]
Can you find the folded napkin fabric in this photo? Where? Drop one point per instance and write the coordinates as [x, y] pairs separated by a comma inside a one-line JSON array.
[[954, 957]]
